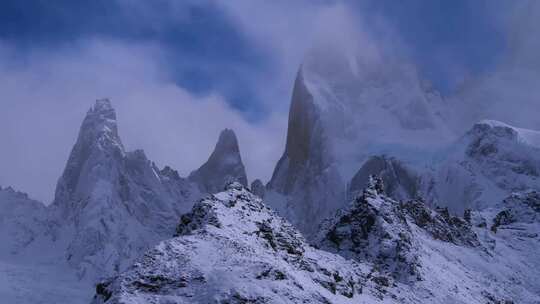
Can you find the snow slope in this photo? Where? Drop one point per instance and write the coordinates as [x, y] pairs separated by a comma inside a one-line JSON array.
[[231, 248]]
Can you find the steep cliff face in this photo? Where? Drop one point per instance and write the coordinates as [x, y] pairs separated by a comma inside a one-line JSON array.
[[305, 174], [223, 166], [344, 110]]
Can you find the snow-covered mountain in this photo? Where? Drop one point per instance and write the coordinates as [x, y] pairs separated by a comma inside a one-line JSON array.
[[110, 206], [351, 117], [344, 110], [456, 221], [231, 248], [488, 163], [113, 204]]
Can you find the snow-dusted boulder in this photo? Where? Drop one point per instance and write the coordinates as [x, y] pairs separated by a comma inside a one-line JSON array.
[[223, 166]]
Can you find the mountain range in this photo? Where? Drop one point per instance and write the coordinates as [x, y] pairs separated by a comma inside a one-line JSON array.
[[377, 198]]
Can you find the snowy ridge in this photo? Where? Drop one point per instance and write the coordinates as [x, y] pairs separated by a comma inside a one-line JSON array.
[[419, 255], [526, 136], [488, 163], [232, 249]]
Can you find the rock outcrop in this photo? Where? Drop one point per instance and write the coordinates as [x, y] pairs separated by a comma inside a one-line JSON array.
[[223, 166], [401, 182]]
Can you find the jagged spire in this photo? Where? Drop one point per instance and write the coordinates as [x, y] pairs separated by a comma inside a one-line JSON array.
[[223, 166], [98, 143]]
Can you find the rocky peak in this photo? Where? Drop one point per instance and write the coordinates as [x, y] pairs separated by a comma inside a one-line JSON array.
[[231, 248], [97, 150], [100, 126], [117, 203], [223, 166], [379, 230], [304, 146], [373, 230], [401, 182]]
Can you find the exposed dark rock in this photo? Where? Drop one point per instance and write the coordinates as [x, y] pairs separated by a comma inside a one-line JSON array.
[[258, 188], [373, 229], [223, 166], [401, 183], [440, 224]]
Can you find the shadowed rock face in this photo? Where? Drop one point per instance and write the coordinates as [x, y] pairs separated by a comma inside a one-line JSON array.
[[400, 182], [304, 148], [224, 165], [305, 174], [257, 188]]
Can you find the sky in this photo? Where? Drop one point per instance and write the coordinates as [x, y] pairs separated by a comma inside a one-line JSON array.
[[178, 72]]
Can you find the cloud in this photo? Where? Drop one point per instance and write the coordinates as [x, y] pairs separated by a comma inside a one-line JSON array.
[[510, 92], [46, 93], [46, 90], [289, 30]]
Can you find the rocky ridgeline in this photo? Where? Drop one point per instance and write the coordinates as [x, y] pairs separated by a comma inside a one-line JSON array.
[[231, 248], [379, 230]]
